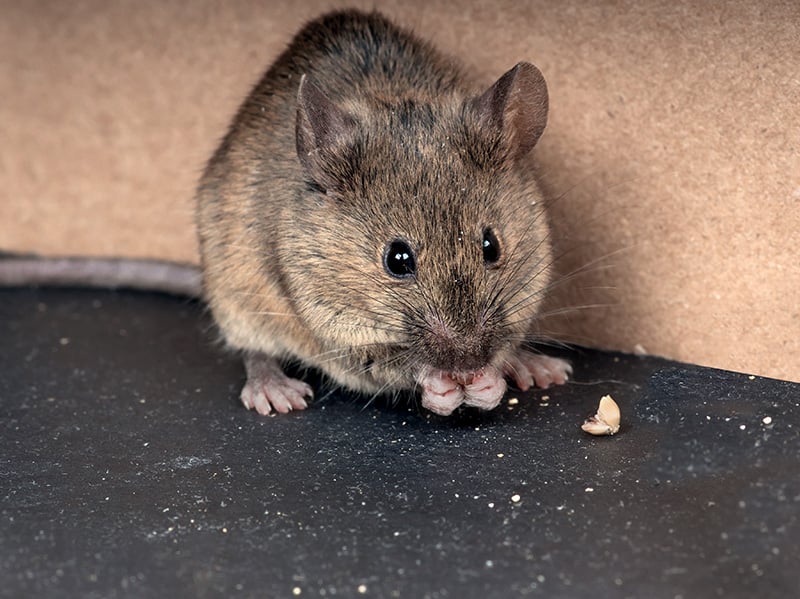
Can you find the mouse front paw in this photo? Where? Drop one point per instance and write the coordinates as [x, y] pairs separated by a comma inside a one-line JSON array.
[[485, 389], [443, 392], [440, 393], [268, 388], [527, 369]]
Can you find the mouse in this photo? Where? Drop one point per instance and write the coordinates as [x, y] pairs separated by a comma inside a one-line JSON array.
[[372, 212]]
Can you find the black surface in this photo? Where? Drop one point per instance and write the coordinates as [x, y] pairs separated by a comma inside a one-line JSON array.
[[129, 469]]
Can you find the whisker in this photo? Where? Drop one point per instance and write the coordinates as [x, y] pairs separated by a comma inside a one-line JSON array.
[[561, 312]]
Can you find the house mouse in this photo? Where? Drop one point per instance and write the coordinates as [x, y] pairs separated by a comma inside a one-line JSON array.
[[372, 212]]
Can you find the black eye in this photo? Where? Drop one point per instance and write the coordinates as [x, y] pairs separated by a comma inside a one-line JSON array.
[[491, 247], [398, 259]]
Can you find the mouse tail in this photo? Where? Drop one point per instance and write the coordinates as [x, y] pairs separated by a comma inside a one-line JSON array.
[[110, 273]]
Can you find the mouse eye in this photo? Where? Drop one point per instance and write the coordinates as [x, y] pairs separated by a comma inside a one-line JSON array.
[[398, 259], [491, 247]]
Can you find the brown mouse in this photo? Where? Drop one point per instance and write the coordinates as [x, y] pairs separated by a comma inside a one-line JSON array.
[[373, 213]]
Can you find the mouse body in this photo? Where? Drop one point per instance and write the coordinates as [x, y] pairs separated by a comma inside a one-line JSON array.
[[372, 213]]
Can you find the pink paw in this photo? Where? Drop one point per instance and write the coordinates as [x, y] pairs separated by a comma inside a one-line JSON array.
[[527, 368], [268, 388], [486, 389], [440, 393], [443, 392]]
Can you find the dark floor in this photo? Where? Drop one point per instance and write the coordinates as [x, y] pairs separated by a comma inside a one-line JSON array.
[[129, 469]]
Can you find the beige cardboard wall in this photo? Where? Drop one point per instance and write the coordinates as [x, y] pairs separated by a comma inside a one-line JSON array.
[[672, 151]]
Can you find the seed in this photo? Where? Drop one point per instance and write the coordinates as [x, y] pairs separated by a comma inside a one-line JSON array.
[[606, 420]]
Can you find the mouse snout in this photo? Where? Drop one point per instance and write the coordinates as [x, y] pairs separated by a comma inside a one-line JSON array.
[[463, 349]]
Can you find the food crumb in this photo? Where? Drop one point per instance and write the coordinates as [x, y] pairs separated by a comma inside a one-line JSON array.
[[589, 489], [362, 588], [752, 377], [639, 350], [296, 591], [500, 455], [742, 427], [516, 498], [512, 401], [767, 420]]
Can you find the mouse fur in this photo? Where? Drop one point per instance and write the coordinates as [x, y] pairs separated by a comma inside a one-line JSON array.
[[372, 212]]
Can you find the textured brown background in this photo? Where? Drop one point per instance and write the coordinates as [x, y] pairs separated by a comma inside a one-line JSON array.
[[673, 146]]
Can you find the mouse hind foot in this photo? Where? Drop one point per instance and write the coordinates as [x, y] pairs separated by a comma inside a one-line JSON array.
[[269, 389], [527, 368]]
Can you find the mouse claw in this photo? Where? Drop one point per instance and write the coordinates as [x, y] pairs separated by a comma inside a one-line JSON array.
[[268, 388]]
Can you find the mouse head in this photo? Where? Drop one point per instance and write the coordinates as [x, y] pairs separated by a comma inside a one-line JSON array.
[[422, 238]]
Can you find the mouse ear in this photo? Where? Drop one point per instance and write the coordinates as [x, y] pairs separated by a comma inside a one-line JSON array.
[[515, 108], [323, 131]]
